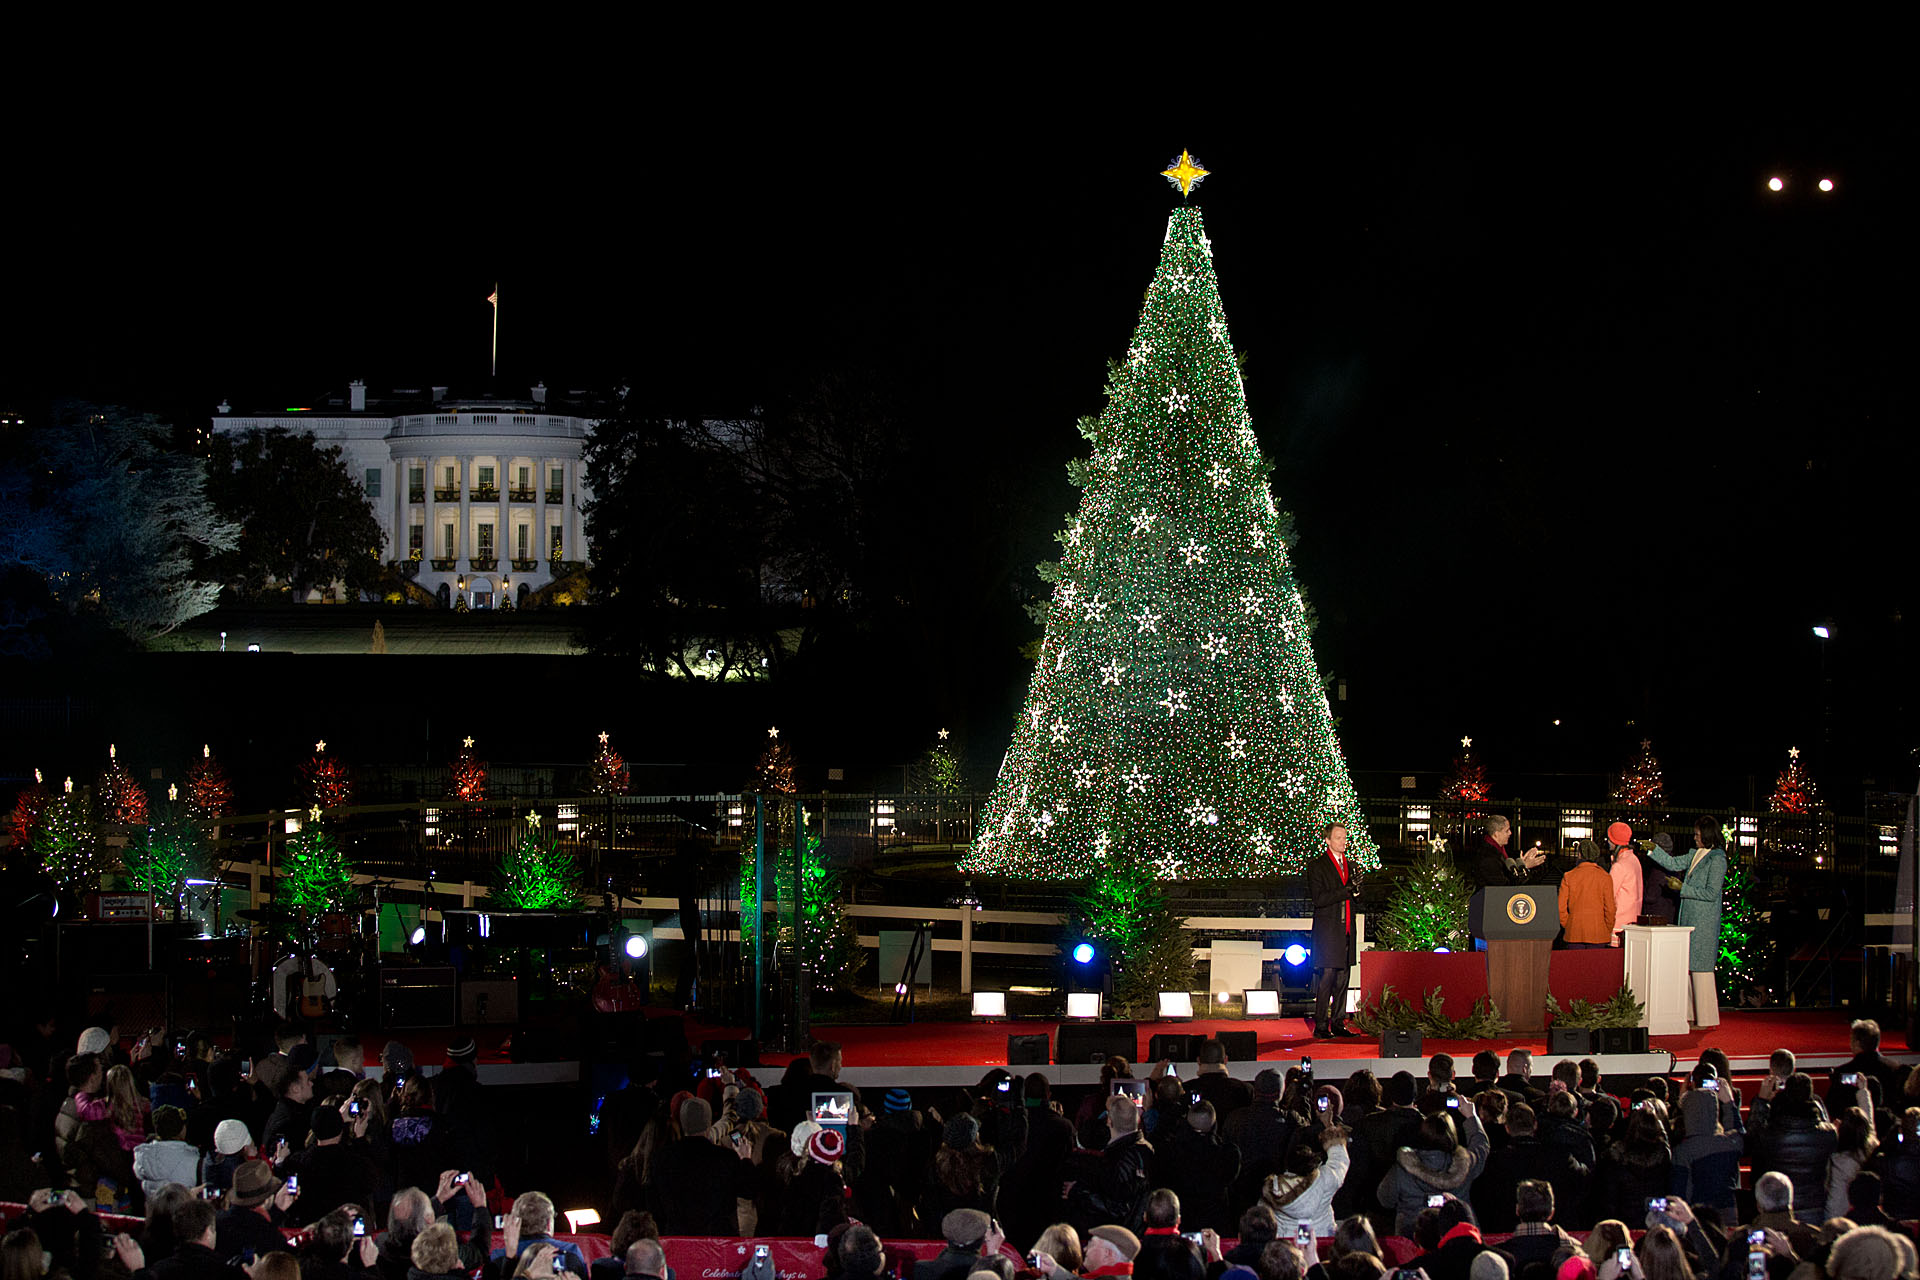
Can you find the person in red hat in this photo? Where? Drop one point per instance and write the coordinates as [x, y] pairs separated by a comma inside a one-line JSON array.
[[1627, 878]]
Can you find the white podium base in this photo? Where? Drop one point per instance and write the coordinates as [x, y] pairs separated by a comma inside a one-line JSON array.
[[1657, 974]]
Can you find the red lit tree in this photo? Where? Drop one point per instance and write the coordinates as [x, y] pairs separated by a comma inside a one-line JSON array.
[[467, 775], [327, 782], [1640, 784], [209, 790], [609, 776], [120, 798], [28, 804], [1466, 784], [1794, 791]]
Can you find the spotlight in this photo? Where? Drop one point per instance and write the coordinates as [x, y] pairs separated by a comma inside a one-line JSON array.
[[1776, 184], [1296, 955], [1083, 953], [989, 1004], [1824, 633], [419, 935], [1084, 1005], [636, 947], [1176, 1006], [899, 988], [1261, 1003], [1826, 184], [1443, 951], [579, 1220]]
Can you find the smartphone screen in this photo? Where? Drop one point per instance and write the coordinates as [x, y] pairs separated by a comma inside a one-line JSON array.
[[1454, 1103], [499, 1221], [293, 1183], [1757, 1265], [359, 1227], [1624, 1257], [461, 1180], [1303, 1234], [1135, 1089], [1434, 1202], [1323, 1102]]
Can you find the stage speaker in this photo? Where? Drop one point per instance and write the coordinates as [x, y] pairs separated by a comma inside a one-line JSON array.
[[740, 1053], [490, 1001], [1027, 1051], [1096, 1042], [1621, 1039], [1176, 1046], [1570, 1040], [1401, 1044], [413, 999], [136, 1001], [1241, 1046]]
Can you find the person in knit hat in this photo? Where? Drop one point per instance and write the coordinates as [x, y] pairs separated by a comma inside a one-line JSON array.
[[816, 1199], [1627, 875], [693, 1185], [899, 1147], [966, 1173]]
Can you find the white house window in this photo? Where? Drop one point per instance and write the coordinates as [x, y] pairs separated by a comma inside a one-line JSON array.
[[451, 482], [446, 542], [556, 483], [373, 482], [416, 540], [556, 543], [483, 538], [522, 535], [486, 478]]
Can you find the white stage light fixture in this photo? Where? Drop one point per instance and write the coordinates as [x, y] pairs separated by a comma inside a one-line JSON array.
[[1083, 1004], [989, 1004], [1261, 1002], [1176, 1006]]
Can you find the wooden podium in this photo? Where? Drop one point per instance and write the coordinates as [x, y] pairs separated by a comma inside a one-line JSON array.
[[1519, 923]]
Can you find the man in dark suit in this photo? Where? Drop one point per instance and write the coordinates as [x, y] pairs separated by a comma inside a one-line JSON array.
[[1864, 1036], [1333, 882]]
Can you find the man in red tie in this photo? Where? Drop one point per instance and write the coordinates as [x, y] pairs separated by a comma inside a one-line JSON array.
[[1333, 882]]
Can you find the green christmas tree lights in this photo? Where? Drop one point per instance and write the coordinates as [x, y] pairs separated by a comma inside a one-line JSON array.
[[1125, 910], [537, 874], [64, 841], [1746, 944], [165, 855], [1176, 719], [1427, 910], [315, 876]]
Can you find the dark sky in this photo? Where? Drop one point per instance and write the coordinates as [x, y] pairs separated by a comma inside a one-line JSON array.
[[1577, 419]]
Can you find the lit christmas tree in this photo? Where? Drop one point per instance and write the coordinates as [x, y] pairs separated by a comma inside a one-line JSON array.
[[121, 799], [1640, 785], [1465, 787], [1794, 790], [165, 855], [1428, 907], [65, 843], [467, 775], [315, 877], [28, 804], [209, 790], [537, 874], [938, 772], [1176, 719], [773, 776], [1746, 944], [773, 771], [1126, 912], [609, 772], [328, 785], [829, 945]]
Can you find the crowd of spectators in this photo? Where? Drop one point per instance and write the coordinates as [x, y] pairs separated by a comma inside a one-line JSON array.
[[329, 1170]]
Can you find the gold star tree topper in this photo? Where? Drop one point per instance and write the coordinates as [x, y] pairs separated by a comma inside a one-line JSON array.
[[1185, 173]]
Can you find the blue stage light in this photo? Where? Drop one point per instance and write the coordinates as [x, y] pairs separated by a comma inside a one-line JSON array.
[[1083, 953], [1443, 951], [1296, 954]]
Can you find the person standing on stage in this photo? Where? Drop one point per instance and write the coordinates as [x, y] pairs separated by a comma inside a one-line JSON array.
[[1703, 875], [1333, 882], [1626, 875], [1490, 864], [1586, 902]]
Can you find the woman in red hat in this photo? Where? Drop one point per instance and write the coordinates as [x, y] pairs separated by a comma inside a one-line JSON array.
[[1627, 877]]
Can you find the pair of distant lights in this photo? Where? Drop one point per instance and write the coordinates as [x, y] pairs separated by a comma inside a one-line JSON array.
[[1777, 183]]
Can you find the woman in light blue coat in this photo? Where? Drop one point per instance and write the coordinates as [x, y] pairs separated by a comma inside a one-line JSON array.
[[1703, 875]]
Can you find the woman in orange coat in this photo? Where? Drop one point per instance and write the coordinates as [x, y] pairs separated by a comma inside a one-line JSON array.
[[1586, 902]]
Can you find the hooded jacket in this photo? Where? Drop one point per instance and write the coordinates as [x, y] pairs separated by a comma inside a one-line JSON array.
[[1420, 1172], [1295, 1199]]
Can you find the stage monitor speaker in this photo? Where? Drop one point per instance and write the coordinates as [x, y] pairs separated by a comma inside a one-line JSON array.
[[1176, 1046], [419, 998], [1569, 1040], [1241, 1046], [740, 1053], [1622, 1039], [1096, 1042], [1028, 1051], [1401, 1044], [490, 1001]]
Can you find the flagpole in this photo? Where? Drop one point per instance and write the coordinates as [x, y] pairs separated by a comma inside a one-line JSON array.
[[493, 364]]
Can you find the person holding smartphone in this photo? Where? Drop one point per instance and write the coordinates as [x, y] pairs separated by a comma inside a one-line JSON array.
[[1301, 1196]]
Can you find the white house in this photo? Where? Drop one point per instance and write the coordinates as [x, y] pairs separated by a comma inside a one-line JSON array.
[[478, 496]]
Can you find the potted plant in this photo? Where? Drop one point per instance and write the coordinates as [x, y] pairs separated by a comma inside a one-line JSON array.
[[1615, 1025]]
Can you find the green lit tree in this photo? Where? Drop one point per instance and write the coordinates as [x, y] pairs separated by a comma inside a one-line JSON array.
[[315, 876], [1176, 712], [829, 944], [1427, 909], [1746, 944], [64, 841], [1124, 909], [537, 874], [938, 772], [165, 855]]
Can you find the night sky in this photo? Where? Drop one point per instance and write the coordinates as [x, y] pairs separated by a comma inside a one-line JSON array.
[[1577, 420]]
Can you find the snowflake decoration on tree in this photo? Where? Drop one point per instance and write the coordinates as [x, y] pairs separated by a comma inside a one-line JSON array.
[[1194, 551], [1143, 521], [1219, 474], [1175, 702], [1136, 779], [1215, 646], [1147, 620], [1083, 774], [1251, 603], [1110, 673], [1236, 747], [1176, 401]]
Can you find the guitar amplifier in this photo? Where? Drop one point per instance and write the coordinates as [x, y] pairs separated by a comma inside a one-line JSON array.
[[119, 906]]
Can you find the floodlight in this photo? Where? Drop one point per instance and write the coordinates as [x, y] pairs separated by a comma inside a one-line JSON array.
[[1176, 1006], [1826, 184], [1261, 1002], [635, 947], [1296, 955], [419, 935], [1083, 1004], [580, 1219], [1083, 953], [1776, 184], [989, 1004], [1824, 633]]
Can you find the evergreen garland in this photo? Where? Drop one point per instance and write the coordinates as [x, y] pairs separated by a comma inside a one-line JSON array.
[[537, 874], [1391, 1012], [1428, 907]]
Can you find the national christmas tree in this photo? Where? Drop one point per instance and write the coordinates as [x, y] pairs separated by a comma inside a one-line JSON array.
[[1465, 787], [326, 779], [28, 804], [467, 775], [1640, 785], [608, 776], [1427, 910], [1176, 718], [121, 799], [315, 877], [65, 844], [209, 790], [537, 874]]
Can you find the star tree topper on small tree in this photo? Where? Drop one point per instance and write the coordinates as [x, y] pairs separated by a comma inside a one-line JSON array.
[[327, 783], [209, 790], [609, 776], [28, 804], [467, 775], [65, 843], [537, 874], [315, 877], [121, 798], [1794, 791], [1466, 785], [1427, 910], [1640, 784], [1176, 713]]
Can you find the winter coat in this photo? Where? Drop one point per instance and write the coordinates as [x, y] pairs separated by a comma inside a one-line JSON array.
[[1586, 904], [1523, 1158], [1419, 1173], [1626, 875], [1706, 1170], [1295, 1199], [1631, 1173], [1109, 1185], [1198, 1168], [1799, 1147], [165, 1160], [1899, 1180], [1842, 1169], [1333, 897], [1700, 889]]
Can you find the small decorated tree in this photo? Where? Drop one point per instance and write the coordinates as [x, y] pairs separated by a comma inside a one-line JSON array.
[[829, 945], [1427, 910], [1795, 802], [773, 776], [315, 876], [327, 783], [537, 874], [65, 843], [121, 799], [1126, 911], [1746, 944], [609, 776], [1640, 785], [209, 790], [939, 771], [467, 775], [28, 804], [1465, 790], [165, 855]]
